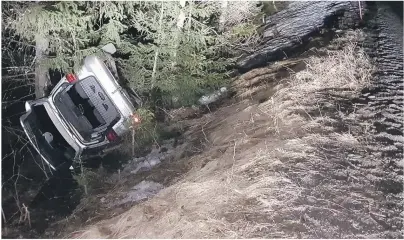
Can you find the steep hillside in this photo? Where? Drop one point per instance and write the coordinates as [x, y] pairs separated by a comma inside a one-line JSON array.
[[288, 157]]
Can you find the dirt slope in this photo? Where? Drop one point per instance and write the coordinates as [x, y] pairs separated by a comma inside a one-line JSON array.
[[286, 158]]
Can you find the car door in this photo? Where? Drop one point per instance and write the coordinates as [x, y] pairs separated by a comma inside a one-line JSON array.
[[36, 127]]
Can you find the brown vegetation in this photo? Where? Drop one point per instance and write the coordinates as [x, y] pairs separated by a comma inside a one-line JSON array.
[[285, 166]]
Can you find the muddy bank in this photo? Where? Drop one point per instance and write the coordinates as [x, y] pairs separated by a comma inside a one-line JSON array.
[[289, 32]]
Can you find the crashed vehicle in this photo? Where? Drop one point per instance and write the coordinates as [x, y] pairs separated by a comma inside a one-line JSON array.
[[85, 115]]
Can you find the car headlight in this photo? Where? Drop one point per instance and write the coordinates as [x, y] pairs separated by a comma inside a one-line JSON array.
[[27, 106]]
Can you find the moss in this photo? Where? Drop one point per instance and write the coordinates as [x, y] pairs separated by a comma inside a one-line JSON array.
[[269, 8]]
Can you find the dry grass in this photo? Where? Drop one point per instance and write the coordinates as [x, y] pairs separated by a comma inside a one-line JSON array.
[[285, 170], [343, 73]]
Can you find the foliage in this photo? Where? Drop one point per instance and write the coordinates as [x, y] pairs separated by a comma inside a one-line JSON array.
[[170, 46], [145, 115], [91, 180], [179, 61], [234, 13], [147, 131], [74, 29]]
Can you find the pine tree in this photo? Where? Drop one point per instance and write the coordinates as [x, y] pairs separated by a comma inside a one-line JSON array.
[[73, 29], [178, 49], [181, 58], [65, 32]]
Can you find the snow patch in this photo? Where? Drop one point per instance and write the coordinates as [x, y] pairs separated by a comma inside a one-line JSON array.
[[146, 165], [142, 190], [213, 97], [155, 157]]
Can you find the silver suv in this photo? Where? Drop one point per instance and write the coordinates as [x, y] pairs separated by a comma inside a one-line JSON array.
[[85, 115]]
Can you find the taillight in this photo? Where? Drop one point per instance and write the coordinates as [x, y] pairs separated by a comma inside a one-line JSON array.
[[112, 136], [71, 78], [136, 119]]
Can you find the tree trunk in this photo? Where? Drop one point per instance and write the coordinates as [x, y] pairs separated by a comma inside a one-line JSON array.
[[223, 16], [157, 51], [41, 73], [180, 25]]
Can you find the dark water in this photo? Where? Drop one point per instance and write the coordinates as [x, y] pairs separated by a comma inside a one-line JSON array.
[[396, 7], [384, 99]]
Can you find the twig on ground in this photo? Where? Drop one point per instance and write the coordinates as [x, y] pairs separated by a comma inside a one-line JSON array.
[[3, 215], [204, 132], [234, 161], [170, 115]]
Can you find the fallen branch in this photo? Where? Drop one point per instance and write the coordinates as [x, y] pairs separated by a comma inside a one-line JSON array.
[[25, 215]]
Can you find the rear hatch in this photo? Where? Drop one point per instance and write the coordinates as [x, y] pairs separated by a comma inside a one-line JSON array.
[[37, 124], [86, 107]]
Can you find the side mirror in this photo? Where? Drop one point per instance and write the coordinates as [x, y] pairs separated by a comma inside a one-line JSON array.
[[109, 48]]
